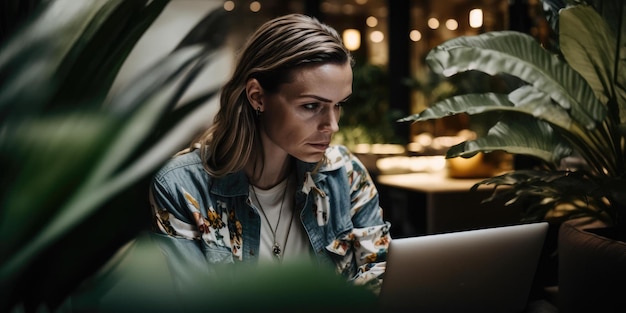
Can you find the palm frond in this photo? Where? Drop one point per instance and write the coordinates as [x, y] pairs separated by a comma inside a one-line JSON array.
[[589, 47], [517, 135], [520, 55], [524, 100], [563, 194]]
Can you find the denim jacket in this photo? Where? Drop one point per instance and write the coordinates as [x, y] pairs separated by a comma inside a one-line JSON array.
[[211, 220]]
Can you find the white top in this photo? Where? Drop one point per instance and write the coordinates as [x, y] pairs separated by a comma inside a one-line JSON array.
[[290, 234]]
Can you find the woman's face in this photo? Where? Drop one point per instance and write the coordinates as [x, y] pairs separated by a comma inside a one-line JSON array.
[[302, 116]]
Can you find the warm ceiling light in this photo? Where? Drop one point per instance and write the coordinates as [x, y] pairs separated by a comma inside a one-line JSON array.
[[415, 35], [476, 18], [361, 2], [229, 5], [371, 21], [452, 24], [433, 23], [255, 6], [351, 39], [377, 36]]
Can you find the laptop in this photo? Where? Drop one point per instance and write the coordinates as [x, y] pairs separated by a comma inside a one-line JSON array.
[[482, 270]]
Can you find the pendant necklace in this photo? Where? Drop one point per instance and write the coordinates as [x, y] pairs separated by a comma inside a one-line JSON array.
[[276, 248]]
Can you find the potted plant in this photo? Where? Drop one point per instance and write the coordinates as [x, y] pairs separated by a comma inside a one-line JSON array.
[[565, 108]]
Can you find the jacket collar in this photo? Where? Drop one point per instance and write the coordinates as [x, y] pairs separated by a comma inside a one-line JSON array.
[[236, 184]]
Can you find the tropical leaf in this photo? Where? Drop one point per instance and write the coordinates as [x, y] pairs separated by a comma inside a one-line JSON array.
[[36, 184], [524, 100], [77, 171], [612, 13], [157, 93], [533, 102], [99, 182], [172, 132], [34, 56], [203, 32], [13, 15], [517, 134], [104, 138], [520, 55], [563, 194], [469, 103], [95, 59], [589, 47], [587, 123], [138, 279]]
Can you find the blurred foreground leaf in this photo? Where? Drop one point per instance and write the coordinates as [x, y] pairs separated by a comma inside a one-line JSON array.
[[139, 280], [75, 167]]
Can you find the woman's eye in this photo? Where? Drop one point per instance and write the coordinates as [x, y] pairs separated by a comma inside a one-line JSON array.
[[312, 106]]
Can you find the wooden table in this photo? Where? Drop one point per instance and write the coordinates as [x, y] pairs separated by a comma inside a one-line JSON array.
[[428, 203]]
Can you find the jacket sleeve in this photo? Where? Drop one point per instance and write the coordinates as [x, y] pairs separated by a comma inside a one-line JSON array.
[[369, 239], [183, 215], [175, 235], [169, 216]]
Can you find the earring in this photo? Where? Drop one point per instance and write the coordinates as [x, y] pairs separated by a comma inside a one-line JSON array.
[[258, 111]]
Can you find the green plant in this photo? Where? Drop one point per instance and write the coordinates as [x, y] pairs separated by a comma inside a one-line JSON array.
[[75, 156], [366, 115], [566, 109]]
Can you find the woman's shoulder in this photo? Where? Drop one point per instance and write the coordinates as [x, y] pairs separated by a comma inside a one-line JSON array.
[[182, 164]]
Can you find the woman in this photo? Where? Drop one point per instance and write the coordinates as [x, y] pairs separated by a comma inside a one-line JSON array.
[[264, 184]]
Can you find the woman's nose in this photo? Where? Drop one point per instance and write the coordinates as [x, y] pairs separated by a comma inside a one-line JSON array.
[[331, 120]]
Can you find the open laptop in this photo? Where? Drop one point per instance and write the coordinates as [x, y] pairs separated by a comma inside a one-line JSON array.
[[484, 270]]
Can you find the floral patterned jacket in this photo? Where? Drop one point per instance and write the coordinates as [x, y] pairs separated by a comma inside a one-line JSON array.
[[210, 220]]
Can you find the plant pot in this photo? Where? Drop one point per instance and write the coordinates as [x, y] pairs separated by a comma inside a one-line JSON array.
[[592, 268]]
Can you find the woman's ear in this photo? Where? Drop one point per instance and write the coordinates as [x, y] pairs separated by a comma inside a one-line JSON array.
[[254, 92]]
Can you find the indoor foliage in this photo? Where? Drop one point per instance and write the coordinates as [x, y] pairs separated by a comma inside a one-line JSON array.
[[567, 109], [75, 156]]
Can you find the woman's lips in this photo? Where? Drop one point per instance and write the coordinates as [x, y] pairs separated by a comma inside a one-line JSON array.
[[320, 146]]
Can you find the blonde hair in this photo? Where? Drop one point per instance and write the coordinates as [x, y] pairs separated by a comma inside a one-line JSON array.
[[270, 55]]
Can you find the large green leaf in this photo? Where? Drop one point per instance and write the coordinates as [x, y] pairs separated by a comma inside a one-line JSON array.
[[533, 102], [520, 55], [539, 192], [612, 12], [203, 33], [468, 103], [589, 47], [100, 182], [172, 133], [586, 81], [157, 93], [524, 100], [95, 59], [517, 134], [80, 170], [13, 14], [140, 278], [32, 58], [82, 52], [45, 159]]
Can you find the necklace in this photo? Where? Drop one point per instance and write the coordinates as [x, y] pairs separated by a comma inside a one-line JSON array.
[[276, 248]]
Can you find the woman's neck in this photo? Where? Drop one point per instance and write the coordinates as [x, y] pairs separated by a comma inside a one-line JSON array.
[[265, 175]]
